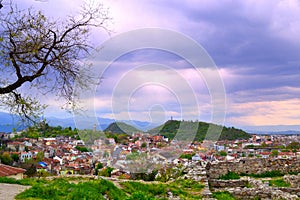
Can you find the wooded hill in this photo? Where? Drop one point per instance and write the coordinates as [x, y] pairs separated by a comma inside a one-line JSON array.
[[171, 127], [121, 128]]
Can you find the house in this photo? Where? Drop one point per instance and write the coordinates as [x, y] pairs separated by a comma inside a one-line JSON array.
[[265, 154], [196, 157], [11, 172], [25, 156]]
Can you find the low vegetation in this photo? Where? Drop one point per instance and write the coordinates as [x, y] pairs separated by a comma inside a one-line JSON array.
[[223, 196], [230, 176], [171, 127], [62, 189], [269, 174], [185, 189], [279, 183], [26, 181], [44, 130], [79, 188]]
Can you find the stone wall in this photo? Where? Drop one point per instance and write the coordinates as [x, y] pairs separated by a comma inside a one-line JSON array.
[[253, 166], [264, 193], [216, 183], [294, 180]]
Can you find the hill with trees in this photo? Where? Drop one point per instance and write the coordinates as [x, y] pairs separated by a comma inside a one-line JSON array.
[[121, 128], [171, 127]]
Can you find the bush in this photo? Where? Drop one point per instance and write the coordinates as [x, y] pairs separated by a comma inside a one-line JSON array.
[[106, 172], [140, 196], [230, 176], [270, 174], [25, 181], [223, 196], [61, 189], [279, 183]]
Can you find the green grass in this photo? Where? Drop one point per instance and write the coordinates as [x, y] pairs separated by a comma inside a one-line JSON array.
[[279, 183], [185, 189], [270, 174], [223, 196], [25, 181], [65, 189], [293, 173], [230, 176], [61, 189]]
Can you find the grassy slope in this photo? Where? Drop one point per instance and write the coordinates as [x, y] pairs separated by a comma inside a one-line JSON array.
[[70, 188]]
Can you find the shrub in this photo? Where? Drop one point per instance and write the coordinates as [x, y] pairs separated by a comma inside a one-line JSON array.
[[223, 196], [279, 183], [230, 176], [270, 174], [61, 189]]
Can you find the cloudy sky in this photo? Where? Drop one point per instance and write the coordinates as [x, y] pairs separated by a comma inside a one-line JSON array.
[[254, 44]]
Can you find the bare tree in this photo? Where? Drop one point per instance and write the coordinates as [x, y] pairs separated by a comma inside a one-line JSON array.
[[37, 53]]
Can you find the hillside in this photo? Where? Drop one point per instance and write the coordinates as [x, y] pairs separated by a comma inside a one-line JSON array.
[[121, 128], [170, 128]]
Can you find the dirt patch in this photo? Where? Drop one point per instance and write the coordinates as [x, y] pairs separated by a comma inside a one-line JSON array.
[[9, 191]]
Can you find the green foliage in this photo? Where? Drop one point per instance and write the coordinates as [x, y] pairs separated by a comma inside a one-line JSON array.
[[293, 145], [121, 128], [250, 155], [168, 173], [6, 158], [189, 184], [144, 145], [293, 173], [98, 167], [82, 149], [222, 153], [223, 195], [170, 128], [186, 156], [230, 176], [44, 130], [274, 153], [15, 157], [144, 176], [89, 136], [64, 188], [279, 183], [270, 174], [248, 185], [185, 189], [40, 156], [31, 171], [106, 172], [61, 189], [25, 181], [140, 196]]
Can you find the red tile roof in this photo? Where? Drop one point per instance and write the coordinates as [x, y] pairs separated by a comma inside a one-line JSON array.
[[6, 170]]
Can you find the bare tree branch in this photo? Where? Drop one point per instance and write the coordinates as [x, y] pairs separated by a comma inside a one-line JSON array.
[[43, 53]]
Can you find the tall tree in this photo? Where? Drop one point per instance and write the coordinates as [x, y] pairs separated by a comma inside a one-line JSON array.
[[41, 54]]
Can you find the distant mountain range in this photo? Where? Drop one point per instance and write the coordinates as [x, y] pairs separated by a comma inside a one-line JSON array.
[[275, 130], [8, 122]]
